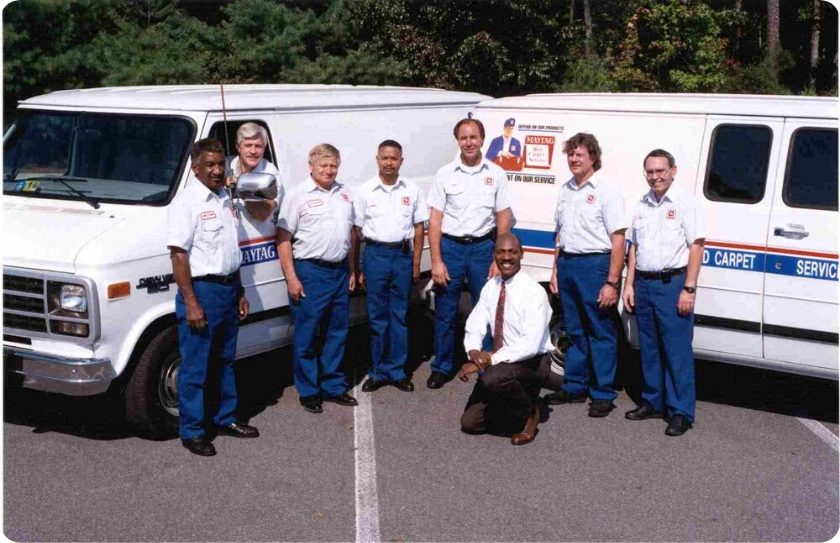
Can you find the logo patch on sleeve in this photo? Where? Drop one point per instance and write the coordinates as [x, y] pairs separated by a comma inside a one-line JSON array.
[[488, 181], [406, 200], [345, 196], [590, 199], [207, 215]]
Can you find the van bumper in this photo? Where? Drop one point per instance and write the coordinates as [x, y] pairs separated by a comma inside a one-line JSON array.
[[49, 373]]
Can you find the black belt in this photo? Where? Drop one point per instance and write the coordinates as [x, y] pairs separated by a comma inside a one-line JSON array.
[[466, 240], [220, 279], [578, 255], [402, 245], [324, 263], [664, 275]]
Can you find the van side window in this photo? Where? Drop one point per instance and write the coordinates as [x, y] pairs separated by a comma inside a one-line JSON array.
[[739, 157], [218, 132], [811, 176]]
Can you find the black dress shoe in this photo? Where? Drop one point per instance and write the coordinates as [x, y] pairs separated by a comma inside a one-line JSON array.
[[199, 445], [404, 384], [372, 384], [312, 404], [643, 412], [678, 425], [238, 430], [562, 397], [600, 408], [437, 379], [342, 399]]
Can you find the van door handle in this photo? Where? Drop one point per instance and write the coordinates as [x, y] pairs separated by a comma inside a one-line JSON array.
[[792, 231]]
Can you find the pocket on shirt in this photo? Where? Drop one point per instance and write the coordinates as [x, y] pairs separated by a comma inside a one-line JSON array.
[[454, 196], [211, 230], [487, 198]]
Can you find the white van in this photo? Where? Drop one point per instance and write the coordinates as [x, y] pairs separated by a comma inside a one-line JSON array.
[[765, 171], [89, 294]]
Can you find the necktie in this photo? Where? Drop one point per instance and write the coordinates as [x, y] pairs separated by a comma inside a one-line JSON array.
[[498, 328]]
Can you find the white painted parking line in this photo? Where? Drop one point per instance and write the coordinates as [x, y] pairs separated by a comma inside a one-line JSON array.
[[820, 431], [367, 500]]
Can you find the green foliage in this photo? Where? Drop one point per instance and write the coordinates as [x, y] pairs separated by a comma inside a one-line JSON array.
[[588, 74]]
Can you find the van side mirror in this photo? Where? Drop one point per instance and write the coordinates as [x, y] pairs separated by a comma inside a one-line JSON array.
[[257, 186]]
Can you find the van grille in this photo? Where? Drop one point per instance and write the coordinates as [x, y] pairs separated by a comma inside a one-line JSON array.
[[23, 303], [31, 285], [23, 294]]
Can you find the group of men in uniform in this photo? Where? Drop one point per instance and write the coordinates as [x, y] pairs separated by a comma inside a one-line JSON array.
[[320, 223]]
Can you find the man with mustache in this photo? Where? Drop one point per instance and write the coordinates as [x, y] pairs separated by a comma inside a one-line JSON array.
[[666, 250], [589, 256], [515, 307], [204, 248], [470, 205], [389, 212]]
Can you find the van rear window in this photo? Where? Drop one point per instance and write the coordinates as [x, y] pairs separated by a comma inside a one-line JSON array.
[[738, 162], [811, 176]]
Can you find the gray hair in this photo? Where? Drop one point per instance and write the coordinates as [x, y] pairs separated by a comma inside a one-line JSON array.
[[251, 130], [323, 150]]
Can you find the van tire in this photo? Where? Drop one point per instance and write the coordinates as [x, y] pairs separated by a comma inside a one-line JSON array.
[[151, 398]]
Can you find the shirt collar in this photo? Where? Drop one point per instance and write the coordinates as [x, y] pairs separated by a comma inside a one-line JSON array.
[[199, 188], [459, 165], [673, 195], [594, 180], [387, 188], [313, 186]]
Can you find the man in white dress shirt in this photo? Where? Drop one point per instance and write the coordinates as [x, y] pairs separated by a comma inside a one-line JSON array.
[[314, 230], [666, 251], [506, 396], [389, 213]]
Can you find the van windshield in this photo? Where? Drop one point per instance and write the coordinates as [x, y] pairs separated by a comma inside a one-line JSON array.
[[95, 157]]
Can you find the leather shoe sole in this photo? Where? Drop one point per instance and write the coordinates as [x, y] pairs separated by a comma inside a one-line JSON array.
[[643, 412], [199, 445], [372, 384], [238, 430], [342, 399]]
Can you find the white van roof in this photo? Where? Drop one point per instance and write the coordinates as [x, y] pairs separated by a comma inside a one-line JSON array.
[[711, 104], [248, 97]]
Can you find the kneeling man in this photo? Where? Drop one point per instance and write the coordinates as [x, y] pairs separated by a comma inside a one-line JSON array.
[[517, 310]]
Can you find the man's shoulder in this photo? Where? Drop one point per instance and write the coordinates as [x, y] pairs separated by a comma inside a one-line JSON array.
[[266, 167], [494, 168], [449, 167]]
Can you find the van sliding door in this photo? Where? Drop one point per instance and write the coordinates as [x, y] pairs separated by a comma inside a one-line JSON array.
[[741, 157], [800, 287]]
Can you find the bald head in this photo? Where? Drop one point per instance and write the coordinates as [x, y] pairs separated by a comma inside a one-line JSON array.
[[509, 237]]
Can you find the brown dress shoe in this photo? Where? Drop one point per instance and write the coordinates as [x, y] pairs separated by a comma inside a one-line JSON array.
[[528, 433]]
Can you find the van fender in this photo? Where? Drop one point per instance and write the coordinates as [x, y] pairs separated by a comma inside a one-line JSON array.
[[144, 329]]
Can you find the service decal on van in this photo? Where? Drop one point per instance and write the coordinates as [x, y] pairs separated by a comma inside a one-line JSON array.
[[257, 250], [775, 260]]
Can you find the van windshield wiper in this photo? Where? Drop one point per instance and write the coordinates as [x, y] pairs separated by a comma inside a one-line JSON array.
[[63, 180]]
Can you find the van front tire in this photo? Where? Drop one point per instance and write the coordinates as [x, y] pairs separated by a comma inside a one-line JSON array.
[[151, 397]]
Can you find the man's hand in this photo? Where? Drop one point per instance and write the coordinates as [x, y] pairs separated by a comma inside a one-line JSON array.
[[195, 315], [360, 281], [243, 307], [608, 296], [629, 298], [295, 288], [465, 370], [493, 271], [352, 281], [440, 275], [552, 283], [685, 305], [415, 273], [480, 359]]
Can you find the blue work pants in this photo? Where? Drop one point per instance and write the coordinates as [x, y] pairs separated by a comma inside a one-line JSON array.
[[470, 261], [326, 305], [591, 330], [201, 350], [665, 339], [388, 283]]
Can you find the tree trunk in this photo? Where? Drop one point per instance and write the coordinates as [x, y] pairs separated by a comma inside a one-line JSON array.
[[571, 12], [738, 31], [815, 45], [773, 36], [587, 21]]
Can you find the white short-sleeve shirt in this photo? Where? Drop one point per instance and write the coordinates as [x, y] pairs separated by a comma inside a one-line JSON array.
[[664, 230], [469, 197], [588, 215], [320, 220], [204, 224], [388, 213]]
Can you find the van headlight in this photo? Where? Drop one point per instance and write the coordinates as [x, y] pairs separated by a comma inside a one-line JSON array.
[[67, 300]]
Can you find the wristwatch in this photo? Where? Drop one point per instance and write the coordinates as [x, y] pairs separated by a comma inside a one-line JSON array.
[[690, 290], [613, 284]]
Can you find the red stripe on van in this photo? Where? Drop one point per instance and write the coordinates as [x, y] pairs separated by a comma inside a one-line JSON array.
[[764, 249], [254, 241]]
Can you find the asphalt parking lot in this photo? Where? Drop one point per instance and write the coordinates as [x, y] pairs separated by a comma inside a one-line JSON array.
[[761, 464]]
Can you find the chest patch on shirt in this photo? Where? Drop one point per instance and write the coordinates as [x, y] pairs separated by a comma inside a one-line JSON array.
[[590, 199], [345, 196], [207, 215], [314, 203], [488, 181], [405, 200], [672, 214]]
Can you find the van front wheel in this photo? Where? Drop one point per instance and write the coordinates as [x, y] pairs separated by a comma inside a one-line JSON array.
[[151, 397]]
